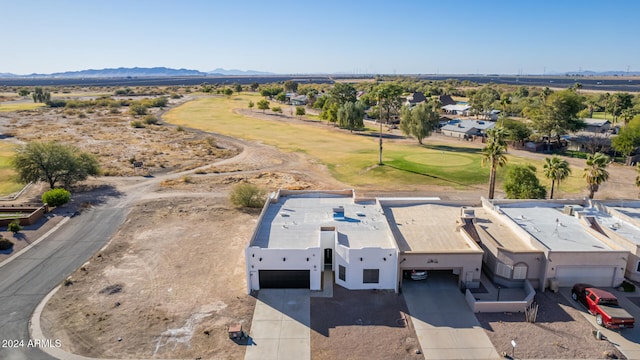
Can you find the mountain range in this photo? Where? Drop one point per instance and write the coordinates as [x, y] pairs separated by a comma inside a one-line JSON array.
[[123, 72]]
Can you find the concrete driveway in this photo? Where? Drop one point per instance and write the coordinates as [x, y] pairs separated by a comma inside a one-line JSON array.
[[280, 329], [445, 325]]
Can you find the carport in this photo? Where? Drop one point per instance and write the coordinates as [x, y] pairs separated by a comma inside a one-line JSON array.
[[431, 236]]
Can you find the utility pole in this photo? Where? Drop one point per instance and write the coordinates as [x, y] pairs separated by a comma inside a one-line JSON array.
[[380, 121]]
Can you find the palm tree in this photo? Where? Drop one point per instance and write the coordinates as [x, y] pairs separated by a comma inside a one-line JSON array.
[[595, 173], [557, 170], [493, 154]]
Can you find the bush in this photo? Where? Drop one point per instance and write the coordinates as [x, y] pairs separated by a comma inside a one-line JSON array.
[[247, 195], [56, 197], [628, 287], [150, 120], [15, 226], [5, 244], [137, 124], [137, 109]]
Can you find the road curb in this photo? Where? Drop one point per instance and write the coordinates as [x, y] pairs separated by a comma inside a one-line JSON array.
[[26, 248]]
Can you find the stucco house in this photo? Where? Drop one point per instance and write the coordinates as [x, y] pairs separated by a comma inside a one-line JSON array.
[[465, 129], [300, 234], [368, 243]]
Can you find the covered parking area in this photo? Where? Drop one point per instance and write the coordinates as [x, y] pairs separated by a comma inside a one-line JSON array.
[[434, 236]]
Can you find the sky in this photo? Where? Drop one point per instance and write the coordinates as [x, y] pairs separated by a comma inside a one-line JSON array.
[[348, 36]]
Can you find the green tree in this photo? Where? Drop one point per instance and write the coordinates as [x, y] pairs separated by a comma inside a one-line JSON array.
[[251, 105], [263, 105], [558, 115], [521, 182], [418, 122], [300, 111], [595, 172], [330, 110], [494, 154], [619, 102], [482, 101], [23, 92], [290, 86], [254, 86], [343, 93], [350, 115], [277, 109], [54, 163], [517, 130], [238, 88], [389, 100], [627, 115], [228, 91], [556, 169]]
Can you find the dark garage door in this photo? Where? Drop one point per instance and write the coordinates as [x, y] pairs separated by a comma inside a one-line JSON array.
[[284, 279]]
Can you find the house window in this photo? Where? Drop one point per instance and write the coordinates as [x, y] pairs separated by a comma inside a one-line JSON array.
[[503, 270], [342, 273], [520, 272], [638, 267], [370, 276]]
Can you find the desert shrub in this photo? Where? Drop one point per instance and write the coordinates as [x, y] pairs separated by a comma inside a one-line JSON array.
[[56, 103], [247, 195], [150, 120], [175, 96], [179, 128], [56, 197], [82, 115], [5, 244], [137, 124], [14, 226], [137, 109], [628, 287]]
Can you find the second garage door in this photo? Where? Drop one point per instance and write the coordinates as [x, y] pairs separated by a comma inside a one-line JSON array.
[[284, 279], [593, 275]]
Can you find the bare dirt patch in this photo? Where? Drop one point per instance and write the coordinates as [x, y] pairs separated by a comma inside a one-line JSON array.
[[560, 332], [363, 324]]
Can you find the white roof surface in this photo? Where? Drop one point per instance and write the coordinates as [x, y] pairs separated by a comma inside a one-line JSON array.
[[294, 222], [465, 126], [457, 107], [550, 226]]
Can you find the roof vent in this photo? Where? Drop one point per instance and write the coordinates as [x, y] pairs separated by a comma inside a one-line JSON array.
[[338, 213]]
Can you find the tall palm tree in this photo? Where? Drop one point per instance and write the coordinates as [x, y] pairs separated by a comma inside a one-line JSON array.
[[493, 154], [595, 173], [557, 170]]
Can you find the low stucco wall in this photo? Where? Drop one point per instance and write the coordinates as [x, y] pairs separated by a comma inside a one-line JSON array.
[[35, 213], [501, 306]]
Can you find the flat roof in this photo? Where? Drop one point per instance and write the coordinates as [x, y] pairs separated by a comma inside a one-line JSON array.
[[295, 221], [547, 223], [427, 228], [493, 230], [629, 231]]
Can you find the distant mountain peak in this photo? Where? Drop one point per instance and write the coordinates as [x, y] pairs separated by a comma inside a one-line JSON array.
[[221, 71], [116, 73]]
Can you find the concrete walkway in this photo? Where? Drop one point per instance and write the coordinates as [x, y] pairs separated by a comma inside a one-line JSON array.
[[280, 329], [444, 324]]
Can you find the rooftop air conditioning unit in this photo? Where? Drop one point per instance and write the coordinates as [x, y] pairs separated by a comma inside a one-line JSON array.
[[568, 210]]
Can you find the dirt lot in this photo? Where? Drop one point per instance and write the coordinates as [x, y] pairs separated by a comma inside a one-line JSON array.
[[560, 332], [172, 279], [359, 321]]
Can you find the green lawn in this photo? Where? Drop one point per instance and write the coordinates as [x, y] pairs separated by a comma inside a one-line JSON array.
[[8, 107], [7, 185], [352, 157]]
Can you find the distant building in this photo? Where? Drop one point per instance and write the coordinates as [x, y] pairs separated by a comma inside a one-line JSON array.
[[446, 100], [457, 109], [467, 129], [597, 125], [415, 99]]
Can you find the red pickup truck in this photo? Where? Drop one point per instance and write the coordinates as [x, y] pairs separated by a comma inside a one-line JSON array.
[[604, 305]]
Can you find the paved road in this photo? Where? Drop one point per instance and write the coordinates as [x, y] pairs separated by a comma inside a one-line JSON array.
[[27, 279]]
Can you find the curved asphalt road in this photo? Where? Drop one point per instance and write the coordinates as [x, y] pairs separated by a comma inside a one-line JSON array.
[[27, 279]]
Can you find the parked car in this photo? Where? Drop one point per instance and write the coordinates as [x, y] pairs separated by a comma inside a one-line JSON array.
[[419, 275], [604, 305]]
